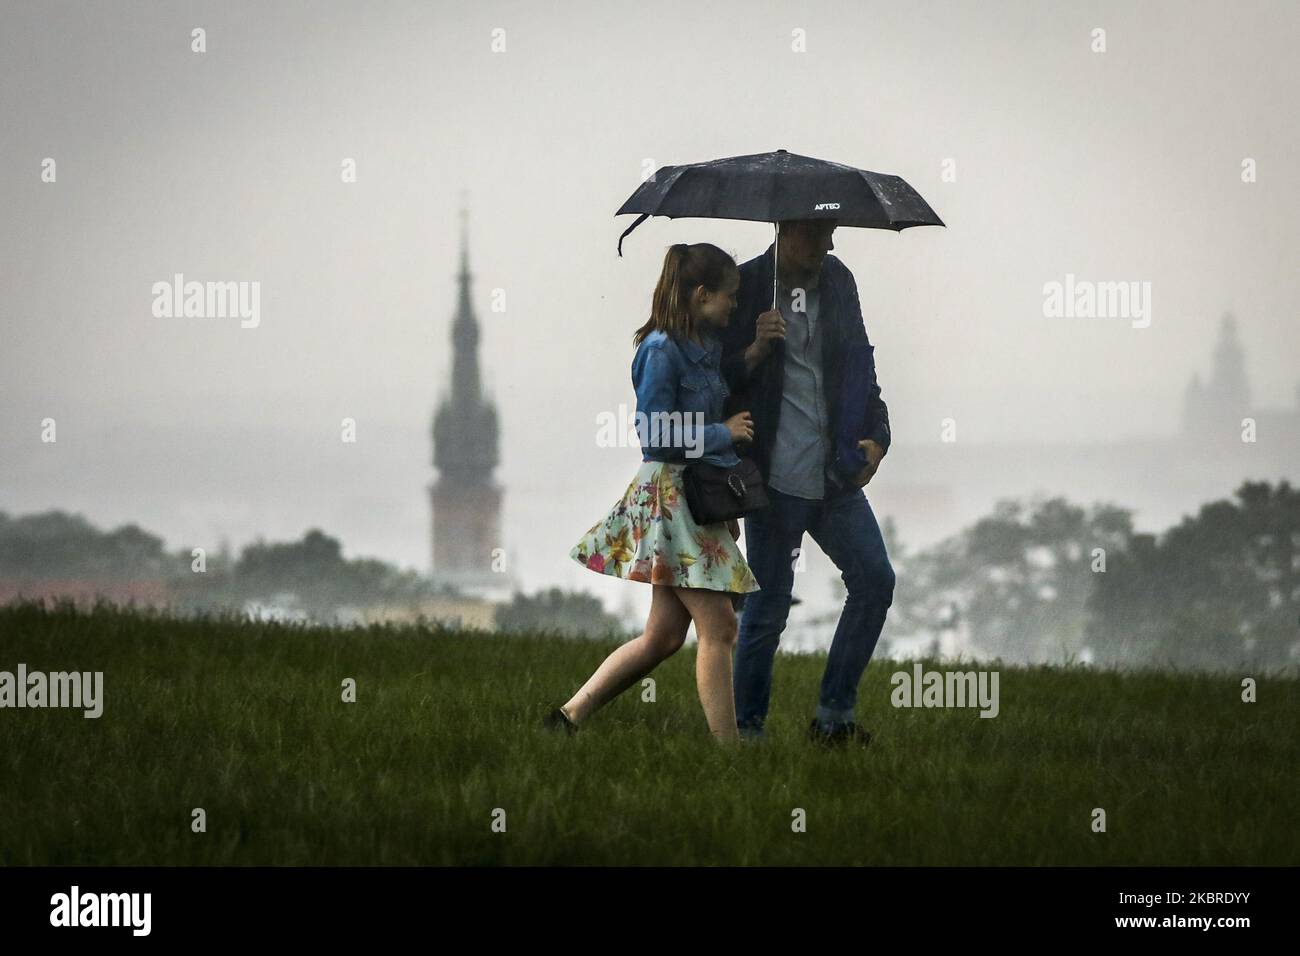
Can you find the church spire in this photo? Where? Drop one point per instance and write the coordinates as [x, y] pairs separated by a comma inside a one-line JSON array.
[[464, 236], [465, 385], [1230, 380], [465, 426], [1217, 405], [465, 499]]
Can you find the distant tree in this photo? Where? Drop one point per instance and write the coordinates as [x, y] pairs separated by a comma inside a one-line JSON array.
[[894, 545], [569, 612], [316, 573], [1219, 590], [312, 570], [1015, 583], [60, 546], [55, 544]]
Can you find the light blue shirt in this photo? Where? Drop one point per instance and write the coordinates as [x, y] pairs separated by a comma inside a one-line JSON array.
[[802, 444], [680, 396]]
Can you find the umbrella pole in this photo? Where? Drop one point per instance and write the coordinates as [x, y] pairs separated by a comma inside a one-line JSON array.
[[776, 257]]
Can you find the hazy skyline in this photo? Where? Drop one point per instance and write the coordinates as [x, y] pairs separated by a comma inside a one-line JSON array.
[[225, 166]]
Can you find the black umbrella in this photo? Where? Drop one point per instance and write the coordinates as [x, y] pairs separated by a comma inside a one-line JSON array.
[[771, 187]]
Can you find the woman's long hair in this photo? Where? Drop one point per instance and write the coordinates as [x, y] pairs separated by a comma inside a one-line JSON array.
[[685, 268]]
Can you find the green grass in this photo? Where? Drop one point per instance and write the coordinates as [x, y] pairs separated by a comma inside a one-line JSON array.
[[245, 720]]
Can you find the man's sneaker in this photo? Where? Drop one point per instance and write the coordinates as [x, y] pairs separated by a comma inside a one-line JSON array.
[[557, 719], [754, 735], [845, 733]]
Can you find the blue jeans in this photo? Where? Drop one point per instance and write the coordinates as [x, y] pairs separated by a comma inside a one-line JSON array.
[[845, 528]]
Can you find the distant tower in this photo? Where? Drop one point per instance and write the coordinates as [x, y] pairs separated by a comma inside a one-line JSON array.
[[1194, 406], [466, 500], [1218, 406], [1229, 381]]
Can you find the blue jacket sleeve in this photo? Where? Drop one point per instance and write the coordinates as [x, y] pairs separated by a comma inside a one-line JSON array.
[[877, 411], [661, 424]]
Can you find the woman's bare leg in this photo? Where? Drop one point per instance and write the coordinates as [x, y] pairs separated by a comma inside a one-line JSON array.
[[715, 626], [665, 632]]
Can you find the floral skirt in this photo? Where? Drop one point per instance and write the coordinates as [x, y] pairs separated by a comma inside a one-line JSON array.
[[650, 536]]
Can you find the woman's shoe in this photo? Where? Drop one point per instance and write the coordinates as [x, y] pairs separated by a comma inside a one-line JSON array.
[[557, 719]]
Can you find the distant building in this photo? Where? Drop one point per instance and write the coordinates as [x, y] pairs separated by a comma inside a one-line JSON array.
[[85, 593], [460, 613], [280, 607], [1218, 406], [467, 548]]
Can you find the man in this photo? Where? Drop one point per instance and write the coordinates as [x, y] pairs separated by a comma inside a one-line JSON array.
[[786, 366]]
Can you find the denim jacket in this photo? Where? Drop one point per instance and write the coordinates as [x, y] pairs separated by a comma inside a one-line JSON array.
[[679, 388]]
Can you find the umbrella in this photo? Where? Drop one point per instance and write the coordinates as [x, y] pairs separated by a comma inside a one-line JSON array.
[[771, 187]]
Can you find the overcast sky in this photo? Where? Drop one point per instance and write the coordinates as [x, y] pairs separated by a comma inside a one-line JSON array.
[[225, 165]]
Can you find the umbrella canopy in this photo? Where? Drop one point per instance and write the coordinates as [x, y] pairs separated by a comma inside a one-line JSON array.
[[771, 187]]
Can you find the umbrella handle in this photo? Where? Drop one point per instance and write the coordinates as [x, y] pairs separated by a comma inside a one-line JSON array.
[[776, 253]]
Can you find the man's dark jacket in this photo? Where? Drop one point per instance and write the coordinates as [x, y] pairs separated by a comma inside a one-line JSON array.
[[840, 318]]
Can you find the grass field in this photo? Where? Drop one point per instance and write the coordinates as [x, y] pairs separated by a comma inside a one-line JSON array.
[[246, 721]]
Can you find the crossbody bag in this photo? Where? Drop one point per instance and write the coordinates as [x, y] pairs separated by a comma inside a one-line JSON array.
[[715, 493]]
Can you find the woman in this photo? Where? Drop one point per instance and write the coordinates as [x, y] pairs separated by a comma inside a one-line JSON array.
[[697, 572]]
